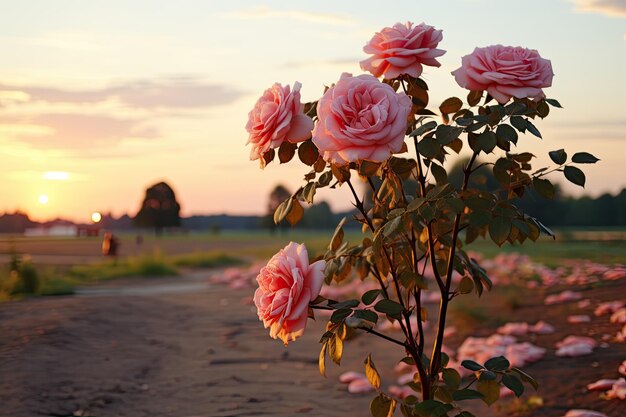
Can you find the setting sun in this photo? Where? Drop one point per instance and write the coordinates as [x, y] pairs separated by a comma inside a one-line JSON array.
[[96, 217], [43, 199]]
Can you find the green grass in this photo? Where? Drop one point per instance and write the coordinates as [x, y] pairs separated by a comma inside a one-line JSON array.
[[205, 260]]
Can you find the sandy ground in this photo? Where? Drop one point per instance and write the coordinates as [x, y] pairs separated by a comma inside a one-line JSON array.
[[181, 347]]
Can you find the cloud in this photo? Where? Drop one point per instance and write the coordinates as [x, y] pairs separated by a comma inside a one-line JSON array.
[[264, 12], [76, 131], [170, 93], [341, 62], [613, 8]]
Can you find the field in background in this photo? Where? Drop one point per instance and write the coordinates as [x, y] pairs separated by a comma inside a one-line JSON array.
[[63, 263]]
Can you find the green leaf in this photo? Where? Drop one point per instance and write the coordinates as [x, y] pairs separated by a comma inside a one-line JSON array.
[[451, 377], [446, 134], [366, 315], [440, 174], [584, 158], [486, 375], [574, 175], [389, 307], [382, 406], [558, 157], [466, 394], [415, 204], [309, 192], [466, 285], [339, 315], [507, 133], [486, 141], [432, 408], [471, 365], [371, 373], [543, 187], [344, 304], [370, 296], [519, 123], [526, 378], [533, 129], [424, 128], [451, 105], [553, 103], [308, 153], [429, 147], [491, 391], [283, 210], [499, 229], [498, 363], [325, 179], [514, 384]]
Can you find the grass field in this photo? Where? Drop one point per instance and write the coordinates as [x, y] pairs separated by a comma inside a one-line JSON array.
[[63, 263]]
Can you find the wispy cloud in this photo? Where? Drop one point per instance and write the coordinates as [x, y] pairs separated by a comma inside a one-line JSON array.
[[614, 8], [264, 12], [334, 63], [75, 131], [169, 93]]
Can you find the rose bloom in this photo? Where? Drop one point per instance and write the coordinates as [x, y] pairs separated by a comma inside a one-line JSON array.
[[505, 72], [402, 49], [277, 117], [286, 286], [360, 118]]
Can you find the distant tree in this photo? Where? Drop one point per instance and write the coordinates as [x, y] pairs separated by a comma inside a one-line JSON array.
[[159, 209], [277, 196]]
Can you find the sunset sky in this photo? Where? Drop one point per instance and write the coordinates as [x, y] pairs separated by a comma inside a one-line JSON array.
[[99, 100]]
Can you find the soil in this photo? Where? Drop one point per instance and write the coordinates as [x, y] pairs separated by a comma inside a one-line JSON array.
[[130, 350]]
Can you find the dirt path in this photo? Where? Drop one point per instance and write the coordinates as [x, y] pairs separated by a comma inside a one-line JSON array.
[[184, 347], [188, 354]]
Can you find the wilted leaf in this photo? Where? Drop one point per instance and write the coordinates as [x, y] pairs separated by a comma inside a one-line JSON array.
[[308, 153], [335, 349], [451, 105], [286, 151], [473, 97], [295, 213], [371, 373]]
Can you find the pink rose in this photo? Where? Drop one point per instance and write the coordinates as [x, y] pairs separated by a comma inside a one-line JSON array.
[[277, 117], [286, 286], [505, 71], [402, 49], [360, 118]]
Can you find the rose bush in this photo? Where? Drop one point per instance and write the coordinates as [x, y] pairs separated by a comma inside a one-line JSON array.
[[287, 284], [360, 118], [402, 49], [277, 117], [505, 72], [416, 223]]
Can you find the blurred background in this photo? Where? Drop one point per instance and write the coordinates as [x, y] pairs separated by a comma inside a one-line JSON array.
[[123, 157]]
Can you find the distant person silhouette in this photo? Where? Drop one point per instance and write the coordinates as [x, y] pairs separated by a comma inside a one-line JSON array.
[[110, 245]]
